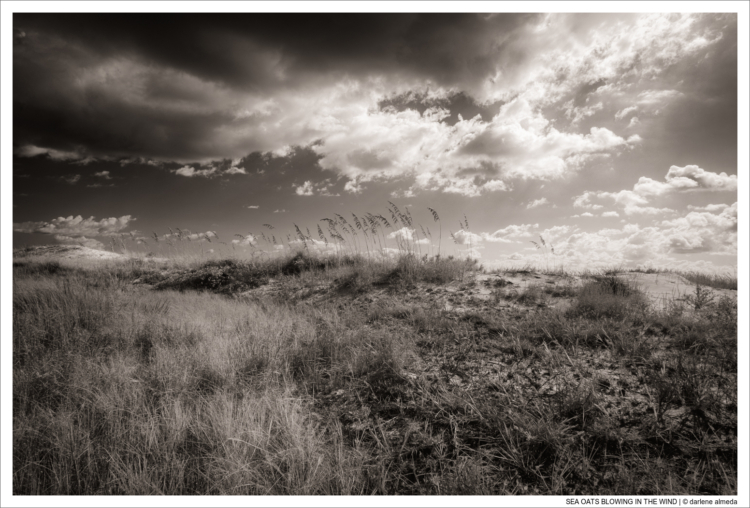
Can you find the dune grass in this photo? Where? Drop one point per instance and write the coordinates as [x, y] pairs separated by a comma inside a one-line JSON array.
[[145, 377]]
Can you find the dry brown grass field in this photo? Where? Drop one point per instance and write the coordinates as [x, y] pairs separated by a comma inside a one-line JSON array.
[[349, 374]]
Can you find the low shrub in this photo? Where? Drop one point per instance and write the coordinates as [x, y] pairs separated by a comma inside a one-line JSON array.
[[302, 262], [608, 297], [225, 276]]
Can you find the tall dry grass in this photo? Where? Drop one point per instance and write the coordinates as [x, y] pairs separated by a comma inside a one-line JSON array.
[[120, 391], [169, 393], [377, 236]]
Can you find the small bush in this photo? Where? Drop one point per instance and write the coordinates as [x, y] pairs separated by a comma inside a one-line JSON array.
[[225, 276], [302, 262], [724, 312], [533, 295], [615, 285], [702, 298], [608, 297], [353, 282], [561, 290]]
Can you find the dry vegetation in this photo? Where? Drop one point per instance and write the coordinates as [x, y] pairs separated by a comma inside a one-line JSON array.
[[157, 378]]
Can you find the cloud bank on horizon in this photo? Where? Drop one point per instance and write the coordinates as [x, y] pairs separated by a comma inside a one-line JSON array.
[[463, 105]]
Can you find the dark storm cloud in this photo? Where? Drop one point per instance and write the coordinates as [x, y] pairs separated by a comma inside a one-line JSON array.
[[104, 126], [165, 86], [225, 48]]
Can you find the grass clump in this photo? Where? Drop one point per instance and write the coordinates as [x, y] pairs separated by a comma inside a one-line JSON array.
[[718, 281], [223, 276], [608, 297], [565, 290], [302, 262], [411, 269], [533, 295], [40, 269]]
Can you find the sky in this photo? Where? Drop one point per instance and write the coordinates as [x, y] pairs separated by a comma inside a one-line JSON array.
[[613, 137]]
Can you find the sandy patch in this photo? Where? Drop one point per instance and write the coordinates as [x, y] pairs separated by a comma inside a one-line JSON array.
[[65, 252], [75, 253], [663, 288]]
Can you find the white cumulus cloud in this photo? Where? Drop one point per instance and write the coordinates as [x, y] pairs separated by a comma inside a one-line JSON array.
[[537, 202], [76, 226], [189, 172], [80, 240], [690, 178], [306, 189]]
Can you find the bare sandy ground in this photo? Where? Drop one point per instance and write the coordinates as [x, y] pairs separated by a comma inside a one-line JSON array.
[[73, 253], [68, 252], [664, 288]]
